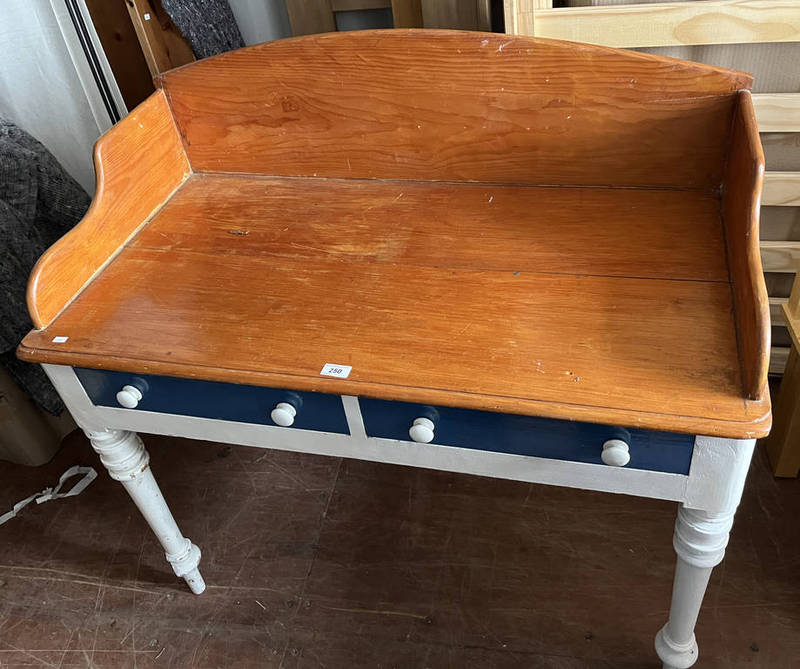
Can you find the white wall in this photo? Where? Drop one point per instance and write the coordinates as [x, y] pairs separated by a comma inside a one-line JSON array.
[[45, 87]]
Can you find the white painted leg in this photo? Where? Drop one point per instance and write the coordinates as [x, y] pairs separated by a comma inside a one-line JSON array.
[[127, 461], [699, 541], [719, 469]]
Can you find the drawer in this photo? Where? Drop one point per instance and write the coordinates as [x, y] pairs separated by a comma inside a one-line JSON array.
[[527, 435], [224, 401]]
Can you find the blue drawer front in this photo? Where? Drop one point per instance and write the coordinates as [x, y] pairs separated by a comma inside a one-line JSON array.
[[526, 435], [209, 399]]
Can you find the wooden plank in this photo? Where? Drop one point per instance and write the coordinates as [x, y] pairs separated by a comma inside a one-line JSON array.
[[673, 24], [783, 444], [781, 189], [511, 13], [519, 15], [509, 110], [122, 49], [161, 42], [776, 310], [791, 312], [666, 234], [407, 13], [793, 303], [780, 256], [358, 5], [741, 193], [139, 163], [777, 112], [308, 17], [779, 356], [627, 350]]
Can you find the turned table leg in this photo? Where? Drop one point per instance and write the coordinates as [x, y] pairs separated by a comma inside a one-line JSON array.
[[128, 462], [700, 539]]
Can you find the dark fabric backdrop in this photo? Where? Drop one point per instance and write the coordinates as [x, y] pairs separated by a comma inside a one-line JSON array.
[[39, 203]]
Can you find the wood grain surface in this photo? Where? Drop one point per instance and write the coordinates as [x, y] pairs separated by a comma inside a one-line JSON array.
[[122, 49], [617, 232], [781, 189], [780, 256], [473, 220], [456, 106], [783, 444], [741, 204], [777, 112], [139, 163], [423, 319], [674, 23]]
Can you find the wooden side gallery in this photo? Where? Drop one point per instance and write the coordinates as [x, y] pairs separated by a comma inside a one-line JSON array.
[[479, 253], [447, 223]]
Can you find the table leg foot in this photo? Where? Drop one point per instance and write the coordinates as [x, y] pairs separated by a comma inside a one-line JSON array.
[[128, 462], [184, 565], [675, 655]]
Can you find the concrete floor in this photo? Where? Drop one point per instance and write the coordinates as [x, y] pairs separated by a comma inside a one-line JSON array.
[[317, 562]]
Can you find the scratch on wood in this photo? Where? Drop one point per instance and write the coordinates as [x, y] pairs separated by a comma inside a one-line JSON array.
[[311, 248], [92, 583], [130, 631], [381, 612], [25, 652]]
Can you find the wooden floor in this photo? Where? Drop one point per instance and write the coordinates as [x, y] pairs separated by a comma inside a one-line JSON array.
[[315, 562]]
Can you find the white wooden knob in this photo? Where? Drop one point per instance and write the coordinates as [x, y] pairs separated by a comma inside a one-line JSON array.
[[421, 430], [616, 453], [283, 414], [129, 397]]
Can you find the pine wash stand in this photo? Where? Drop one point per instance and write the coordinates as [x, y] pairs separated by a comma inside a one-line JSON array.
[[479, 253]]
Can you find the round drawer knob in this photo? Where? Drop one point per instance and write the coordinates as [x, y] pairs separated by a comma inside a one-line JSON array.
[[283, 414], [616, 453], [421, 430], [129, 397]]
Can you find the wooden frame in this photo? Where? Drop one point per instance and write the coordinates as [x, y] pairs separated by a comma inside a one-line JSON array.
[[163, 46], [658, 24], [783, 444], [777, 112], [691, 23], [661, 24]]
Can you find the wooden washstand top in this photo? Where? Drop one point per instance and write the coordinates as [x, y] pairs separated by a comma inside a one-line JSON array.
[[467, 219]]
